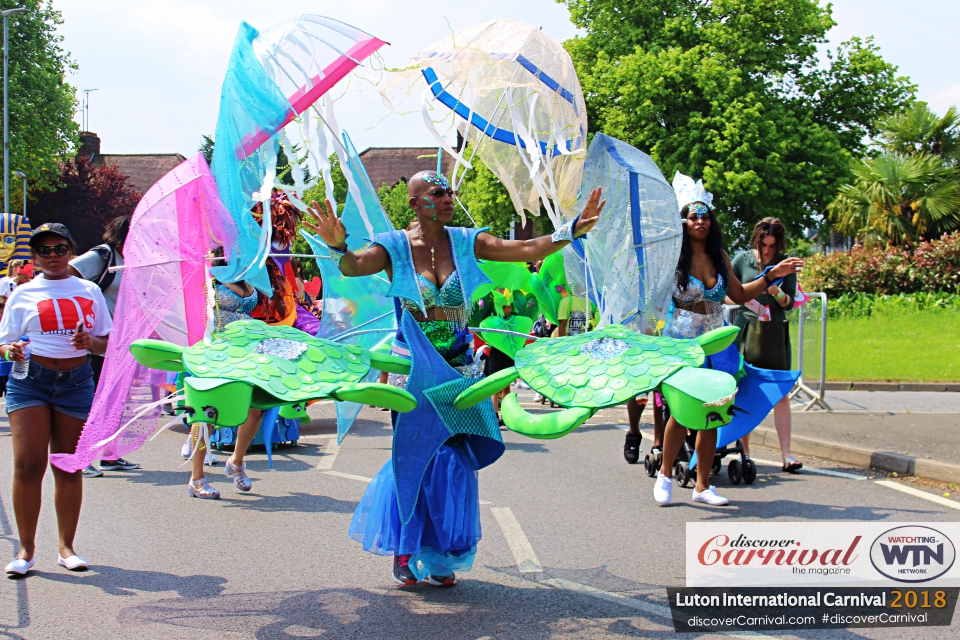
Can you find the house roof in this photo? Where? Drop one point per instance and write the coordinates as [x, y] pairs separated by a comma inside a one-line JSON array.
[[142, 169], [388, 165]]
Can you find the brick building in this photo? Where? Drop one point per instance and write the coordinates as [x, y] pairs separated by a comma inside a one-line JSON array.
[[387, 166], [142, 169]]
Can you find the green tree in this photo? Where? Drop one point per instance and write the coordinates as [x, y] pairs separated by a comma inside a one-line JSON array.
[[206, 149], [487, 200], [396, 204], [318, 192], [909, 188], [41, 101], [733, 90], [918, 129]]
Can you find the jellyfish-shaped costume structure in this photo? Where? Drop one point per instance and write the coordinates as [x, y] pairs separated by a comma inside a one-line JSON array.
[[163, 294], [272, 79], [515, 98], [630, 255]]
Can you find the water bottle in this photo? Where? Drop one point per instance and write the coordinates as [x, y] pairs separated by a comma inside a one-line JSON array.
[[20, 369]]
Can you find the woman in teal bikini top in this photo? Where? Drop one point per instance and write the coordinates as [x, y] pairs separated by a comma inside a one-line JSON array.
[[695, 310]]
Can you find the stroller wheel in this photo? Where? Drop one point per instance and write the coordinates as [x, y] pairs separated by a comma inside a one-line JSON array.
[[717, 465], [648, 466], [735, 472], [681, 471], [749, 471]]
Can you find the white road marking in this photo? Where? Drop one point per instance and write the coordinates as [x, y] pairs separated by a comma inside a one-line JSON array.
[[485, 502], [522, 551], [610, 596], [330, 451], [918, 493], [318, 436], [348, 476], [825, 472]]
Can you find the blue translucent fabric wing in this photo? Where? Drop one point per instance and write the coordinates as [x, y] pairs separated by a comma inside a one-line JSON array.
[[249, 102], [271, 79], [354, 305], [632, 252]]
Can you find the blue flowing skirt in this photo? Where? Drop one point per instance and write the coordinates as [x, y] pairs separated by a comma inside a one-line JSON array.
[[443, 533]]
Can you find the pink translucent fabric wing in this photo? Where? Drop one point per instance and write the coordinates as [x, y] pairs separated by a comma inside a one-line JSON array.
[[163, 294]]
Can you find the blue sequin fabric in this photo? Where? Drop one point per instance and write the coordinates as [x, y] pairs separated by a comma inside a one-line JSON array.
[[232, 307], [450, 294], [683, 323]]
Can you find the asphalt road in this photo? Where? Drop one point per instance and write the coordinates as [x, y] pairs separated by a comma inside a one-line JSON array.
[[590, 554]]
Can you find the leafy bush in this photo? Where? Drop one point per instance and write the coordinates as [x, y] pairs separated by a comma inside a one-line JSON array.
[[861, 305], [928, 267]]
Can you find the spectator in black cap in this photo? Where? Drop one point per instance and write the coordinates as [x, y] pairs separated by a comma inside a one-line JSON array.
[[62, 319]]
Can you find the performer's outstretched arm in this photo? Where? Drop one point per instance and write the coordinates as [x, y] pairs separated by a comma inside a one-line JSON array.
[[500, 250], [331, 230]]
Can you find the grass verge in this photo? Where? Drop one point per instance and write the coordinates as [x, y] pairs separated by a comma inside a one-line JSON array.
[[909, 346]]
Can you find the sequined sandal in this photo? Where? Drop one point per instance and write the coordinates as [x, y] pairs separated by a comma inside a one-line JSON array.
[[202, 489], [239, 474]]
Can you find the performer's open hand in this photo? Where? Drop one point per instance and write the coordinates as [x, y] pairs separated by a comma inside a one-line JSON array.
[[328, 226], [591, 213]]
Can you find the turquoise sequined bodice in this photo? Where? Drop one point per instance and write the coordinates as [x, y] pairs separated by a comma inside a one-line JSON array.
[[450, 294], [232, 306], [683, 323], [696, 291]]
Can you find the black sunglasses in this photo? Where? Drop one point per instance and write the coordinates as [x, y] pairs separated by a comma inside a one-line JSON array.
[[439, 193], [771, 226], [44, 250]]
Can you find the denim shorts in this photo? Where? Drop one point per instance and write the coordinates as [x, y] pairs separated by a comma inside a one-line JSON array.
[[67, 392]]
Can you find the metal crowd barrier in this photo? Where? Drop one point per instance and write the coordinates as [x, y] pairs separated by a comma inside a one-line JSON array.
[[815, 398]]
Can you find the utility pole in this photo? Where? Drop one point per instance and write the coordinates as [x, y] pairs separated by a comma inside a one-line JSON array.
[[6, 113]]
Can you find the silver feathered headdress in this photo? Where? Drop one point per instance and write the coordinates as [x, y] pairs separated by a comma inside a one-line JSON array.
[[689, 191]]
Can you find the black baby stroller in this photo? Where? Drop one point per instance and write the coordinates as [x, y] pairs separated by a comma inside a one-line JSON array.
[[740, 469]]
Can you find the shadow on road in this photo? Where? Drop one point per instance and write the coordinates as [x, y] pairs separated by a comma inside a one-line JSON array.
[[125, 582], [474, 609], [293, 503]]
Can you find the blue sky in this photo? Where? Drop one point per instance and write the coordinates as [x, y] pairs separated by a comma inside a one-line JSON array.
[[158, 64]]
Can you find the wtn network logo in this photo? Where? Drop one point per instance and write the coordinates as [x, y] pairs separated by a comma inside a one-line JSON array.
[[912, 554]]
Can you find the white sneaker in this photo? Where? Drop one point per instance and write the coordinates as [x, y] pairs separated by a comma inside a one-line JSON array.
[[709, 496], [663, 490], [187, 448], [210, 460]]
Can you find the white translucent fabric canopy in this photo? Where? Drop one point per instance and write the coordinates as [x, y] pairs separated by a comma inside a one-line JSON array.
[[514, 96]]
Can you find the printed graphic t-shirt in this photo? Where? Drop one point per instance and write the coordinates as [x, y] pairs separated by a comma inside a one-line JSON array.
[[48, 311], [573, 309]]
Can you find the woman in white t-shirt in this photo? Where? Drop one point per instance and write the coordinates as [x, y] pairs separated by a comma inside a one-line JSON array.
[[65, 319]]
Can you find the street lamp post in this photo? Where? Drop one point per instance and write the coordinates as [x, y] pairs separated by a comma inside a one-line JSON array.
[[6, 114], [23, 176]]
